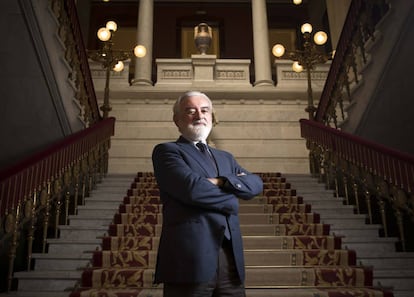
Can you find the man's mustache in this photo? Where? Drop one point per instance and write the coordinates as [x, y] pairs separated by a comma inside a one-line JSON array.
[[201, 121]]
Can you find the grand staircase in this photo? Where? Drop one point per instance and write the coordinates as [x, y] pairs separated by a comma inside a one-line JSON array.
[[299, 241], [56, 272]]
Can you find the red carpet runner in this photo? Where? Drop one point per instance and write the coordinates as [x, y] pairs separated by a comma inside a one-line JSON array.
[[288, 252]]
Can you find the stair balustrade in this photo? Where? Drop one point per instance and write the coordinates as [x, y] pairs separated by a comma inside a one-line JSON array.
[[350, 57], [71, 36], [39, 193], [378, 180]]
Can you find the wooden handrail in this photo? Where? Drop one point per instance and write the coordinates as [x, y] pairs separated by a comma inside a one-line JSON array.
[[45, 188], [391, 165], [382, 176], [26, 176], [376, 179]]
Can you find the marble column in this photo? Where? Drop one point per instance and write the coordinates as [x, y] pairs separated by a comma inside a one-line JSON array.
[[262, 65], [143, 66]]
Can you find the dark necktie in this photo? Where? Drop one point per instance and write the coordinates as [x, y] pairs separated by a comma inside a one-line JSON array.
[[204, 150]]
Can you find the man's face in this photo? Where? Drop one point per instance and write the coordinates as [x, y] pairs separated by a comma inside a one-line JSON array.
[[194, 120]]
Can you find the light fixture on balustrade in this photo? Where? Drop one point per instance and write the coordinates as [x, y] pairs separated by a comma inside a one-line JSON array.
[[319, 38], [306, 58], [106, 33]]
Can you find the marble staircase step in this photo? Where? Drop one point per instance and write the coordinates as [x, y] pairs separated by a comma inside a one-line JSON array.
[[259, 218], [61, 261], [104, 209], [332, 210], [91, 220], [58, 271], [260, 208], [399, 279], [356, 238], [250, 229], [110, 201], [387, 260], [344, 220], [112, 188], [48, 280], [253, 257], [261, 276], [259, 229], [277, 257], [357, 231], [253, 242], [391, 269], [365, 243], [73, 246], [260, 199], [81, 232]]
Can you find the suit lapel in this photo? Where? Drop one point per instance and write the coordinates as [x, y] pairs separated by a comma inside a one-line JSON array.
[[191, 150], [218, 158]]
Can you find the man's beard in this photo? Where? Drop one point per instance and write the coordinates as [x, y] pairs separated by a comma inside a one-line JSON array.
[[196, 132]]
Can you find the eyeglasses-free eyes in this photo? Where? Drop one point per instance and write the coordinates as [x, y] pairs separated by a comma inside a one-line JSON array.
[[192, 111]]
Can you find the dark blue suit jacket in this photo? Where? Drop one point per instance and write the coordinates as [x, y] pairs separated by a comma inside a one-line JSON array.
[[195, 210]]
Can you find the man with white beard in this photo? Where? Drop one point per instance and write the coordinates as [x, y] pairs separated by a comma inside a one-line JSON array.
[[200, 251]]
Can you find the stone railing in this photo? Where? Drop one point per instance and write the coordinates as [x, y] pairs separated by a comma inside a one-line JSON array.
[[286, 78], [207, 71], [203, 70]]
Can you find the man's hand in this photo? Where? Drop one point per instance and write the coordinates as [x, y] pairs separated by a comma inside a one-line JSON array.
[[218, 181]]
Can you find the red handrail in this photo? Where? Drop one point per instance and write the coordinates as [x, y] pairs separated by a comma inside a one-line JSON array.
[[20, 180], [391, 165]]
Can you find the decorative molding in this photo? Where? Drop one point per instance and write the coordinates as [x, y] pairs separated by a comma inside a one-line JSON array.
[[203, 69], [230, 74], [315, 75], [176, 74]]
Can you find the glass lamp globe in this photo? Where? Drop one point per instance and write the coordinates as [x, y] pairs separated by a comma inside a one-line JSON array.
[[140, 51], [297, 2], [306, 28], [119, 66], [320, 38], [297, 67], [112, 26], [104, 34], [278, 50]]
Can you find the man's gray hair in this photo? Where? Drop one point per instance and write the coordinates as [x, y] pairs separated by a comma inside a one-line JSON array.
[[176, 107]]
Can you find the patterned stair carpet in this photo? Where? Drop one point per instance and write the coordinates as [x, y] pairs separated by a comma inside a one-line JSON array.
[[288, 252]]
